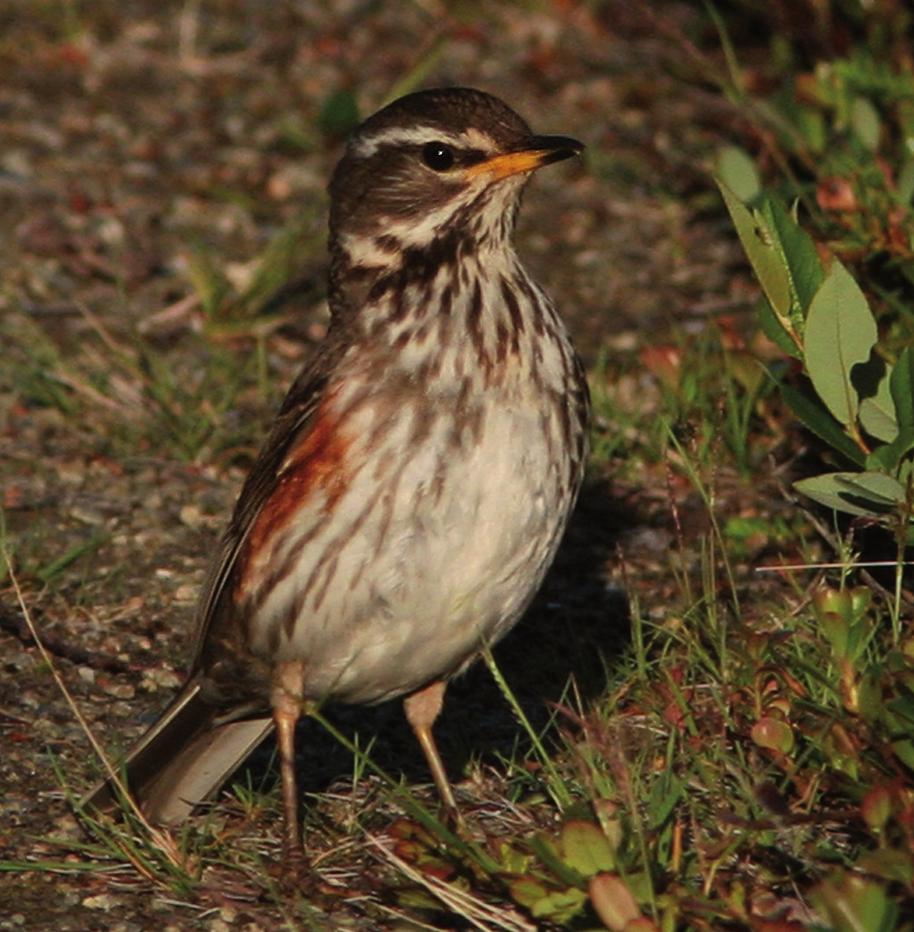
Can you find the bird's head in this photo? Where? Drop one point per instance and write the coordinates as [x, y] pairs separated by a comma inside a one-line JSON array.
[[435, 165]]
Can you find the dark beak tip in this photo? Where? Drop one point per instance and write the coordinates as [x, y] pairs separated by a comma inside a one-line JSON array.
[[558, 142], [557, 148]]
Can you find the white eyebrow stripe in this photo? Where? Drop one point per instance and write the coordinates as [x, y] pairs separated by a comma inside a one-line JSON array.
[[400, 136], [419, 135]]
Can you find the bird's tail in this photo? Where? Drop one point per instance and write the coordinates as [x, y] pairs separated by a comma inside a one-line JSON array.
[[183, 759]]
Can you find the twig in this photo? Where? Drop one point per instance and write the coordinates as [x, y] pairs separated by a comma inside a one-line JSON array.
[[775, 567], [60, 648]]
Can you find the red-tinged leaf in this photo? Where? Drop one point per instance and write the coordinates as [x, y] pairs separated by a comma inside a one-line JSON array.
[[613, 901], [836, 194], [876, 807], [664, 362]]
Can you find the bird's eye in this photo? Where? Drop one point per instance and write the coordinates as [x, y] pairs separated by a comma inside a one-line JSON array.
[[438, 156]]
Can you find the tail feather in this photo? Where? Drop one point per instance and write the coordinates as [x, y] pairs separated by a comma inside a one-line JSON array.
[[183, 759]]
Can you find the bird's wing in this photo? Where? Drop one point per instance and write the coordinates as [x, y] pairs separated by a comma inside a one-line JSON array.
[[194, 746], [293, 421]]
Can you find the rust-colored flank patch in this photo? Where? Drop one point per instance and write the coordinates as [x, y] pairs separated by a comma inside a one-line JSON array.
[[316, 464]]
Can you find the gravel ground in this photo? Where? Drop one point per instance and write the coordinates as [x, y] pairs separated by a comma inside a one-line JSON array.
[[133, 134]]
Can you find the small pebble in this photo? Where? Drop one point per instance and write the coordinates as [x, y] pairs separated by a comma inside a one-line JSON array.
[[119, 690], [103, 901]]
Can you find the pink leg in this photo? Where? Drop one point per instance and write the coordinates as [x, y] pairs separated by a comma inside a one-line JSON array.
[[288, 683], [422, 708]]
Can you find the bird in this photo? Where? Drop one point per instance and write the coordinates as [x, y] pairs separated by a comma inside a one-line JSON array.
[[418, 477]]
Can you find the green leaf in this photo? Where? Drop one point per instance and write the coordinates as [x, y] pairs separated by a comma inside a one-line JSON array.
[[865, 493], [877, 412], [877, 486], [877, 420], [799, 248], [826, 491], [840, 334], [814, 416], [901, 707], [586, 849], [851, 903], [901, 385], [904, 749], [775, 330], [543, 848], [812, 126], [889, 864], [527, 891], [773, 734], [737, 170], [888, 456], [511, 860], [665, 794], [560, 906], [759, 244], [835, 629], [865, 123], [826, 601]]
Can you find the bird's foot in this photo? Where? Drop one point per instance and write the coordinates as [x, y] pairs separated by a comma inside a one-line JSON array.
[[453, 819]]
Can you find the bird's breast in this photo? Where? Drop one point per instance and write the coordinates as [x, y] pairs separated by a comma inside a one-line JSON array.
[[414, 519]]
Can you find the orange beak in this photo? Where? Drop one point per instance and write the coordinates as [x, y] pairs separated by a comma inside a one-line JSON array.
[[535, 152]]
